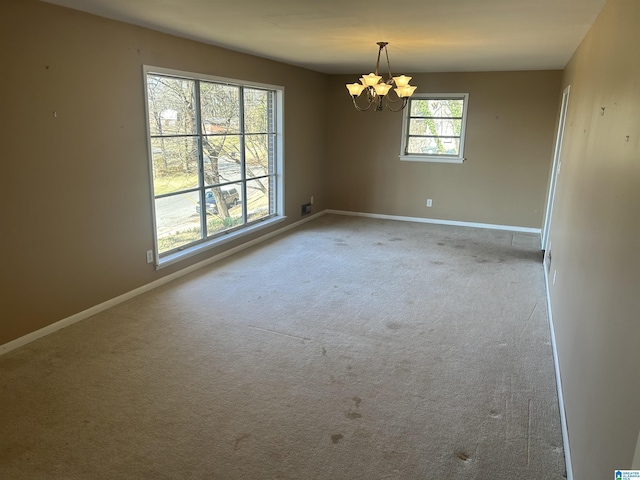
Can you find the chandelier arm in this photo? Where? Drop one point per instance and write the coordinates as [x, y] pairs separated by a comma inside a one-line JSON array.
[[389, 99], [404, 104], [358, 107]]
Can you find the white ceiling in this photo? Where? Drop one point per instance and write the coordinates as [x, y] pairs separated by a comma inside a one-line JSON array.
[[339, 36]]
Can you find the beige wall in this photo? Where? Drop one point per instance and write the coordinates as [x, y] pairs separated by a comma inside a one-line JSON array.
[[75, 201], [594, 237], [74, 189], [509, 143]]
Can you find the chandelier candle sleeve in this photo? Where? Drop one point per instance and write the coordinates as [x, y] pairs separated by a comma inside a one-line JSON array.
[[370, 80], [355, 88], [405, 91], [377, 89]]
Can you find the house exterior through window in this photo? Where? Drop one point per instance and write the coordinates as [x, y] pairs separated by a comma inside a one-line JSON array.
[[215, 153]]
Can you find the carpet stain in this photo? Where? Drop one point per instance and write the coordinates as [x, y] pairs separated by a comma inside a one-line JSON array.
[[441, 244], [396, 239], [351, 414], [436, 262], [337, 437], [463, 456], [324, 352], [240, 439], [394, 325]]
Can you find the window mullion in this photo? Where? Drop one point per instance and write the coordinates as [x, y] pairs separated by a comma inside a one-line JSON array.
[[243, 171], [201, 191]]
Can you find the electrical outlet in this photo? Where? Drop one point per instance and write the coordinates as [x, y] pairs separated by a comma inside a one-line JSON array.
[[429, 202], [149, 256], [311, 199]]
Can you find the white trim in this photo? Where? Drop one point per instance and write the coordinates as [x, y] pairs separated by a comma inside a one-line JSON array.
[[431, 159], [635, 464], [199, 248], [555, 168], [54, 327], [437, 221], [556, 364], [171, 72]]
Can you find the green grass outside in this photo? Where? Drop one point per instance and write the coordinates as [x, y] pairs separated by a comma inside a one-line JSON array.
[[173, 183], [183, 237]]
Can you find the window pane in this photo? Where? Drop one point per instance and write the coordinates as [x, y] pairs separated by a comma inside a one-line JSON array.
[[259, 204], [177, 221], [220, 108], [224, 208], [175, 164], [436, 107], [171, 105], [256, 110], [419, 108], [436, 127], [221, 159], [257, 155], [445, 108], [433, 146]]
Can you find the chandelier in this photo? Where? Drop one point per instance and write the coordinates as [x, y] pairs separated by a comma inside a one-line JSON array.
[[377, 90]]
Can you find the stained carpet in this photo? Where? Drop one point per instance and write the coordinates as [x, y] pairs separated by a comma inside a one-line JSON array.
[[348, 348]]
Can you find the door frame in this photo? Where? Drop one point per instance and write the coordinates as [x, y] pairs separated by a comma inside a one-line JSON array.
[[557, 163]]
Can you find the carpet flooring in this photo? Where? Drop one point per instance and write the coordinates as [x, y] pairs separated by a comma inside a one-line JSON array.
[[348, 348]]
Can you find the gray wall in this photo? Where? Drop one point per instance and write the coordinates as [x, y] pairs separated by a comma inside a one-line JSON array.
[[594, 246]]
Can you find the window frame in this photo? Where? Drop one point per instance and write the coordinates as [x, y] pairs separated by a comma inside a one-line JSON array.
[[436, 158], [203, 244]]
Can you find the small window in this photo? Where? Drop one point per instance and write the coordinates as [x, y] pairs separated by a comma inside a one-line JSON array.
[[433, 128], [215, 148]]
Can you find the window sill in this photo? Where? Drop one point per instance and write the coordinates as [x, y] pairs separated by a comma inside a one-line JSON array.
[[431, 159], [216, 242]]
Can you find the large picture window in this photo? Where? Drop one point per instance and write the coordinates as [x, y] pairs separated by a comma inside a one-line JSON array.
[[434, 127], [215, 154]]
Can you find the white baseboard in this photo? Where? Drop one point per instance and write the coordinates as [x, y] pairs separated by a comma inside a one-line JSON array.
[[556, 363], [438, 221], [54, 327]]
